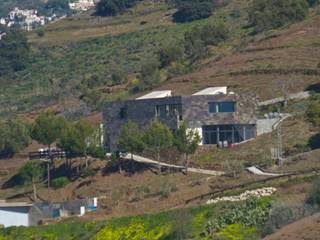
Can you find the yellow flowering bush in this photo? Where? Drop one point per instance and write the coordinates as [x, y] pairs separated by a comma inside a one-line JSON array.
[[135, 231]]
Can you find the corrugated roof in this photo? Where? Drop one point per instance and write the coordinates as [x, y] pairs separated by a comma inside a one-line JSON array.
[[156, 94]]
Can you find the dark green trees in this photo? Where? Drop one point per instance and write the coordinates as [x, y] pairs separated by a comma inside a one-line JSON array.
[[189, 11], [270, 14], [31, 173], [130, 139], [157, 138], [113, 7], [47, 128], [14, 52], [14, 137], [186, 141]]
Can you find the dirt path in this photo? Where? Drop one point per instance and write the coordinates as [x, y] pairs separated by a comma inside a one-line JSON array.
[[305, 229], [155, 163]]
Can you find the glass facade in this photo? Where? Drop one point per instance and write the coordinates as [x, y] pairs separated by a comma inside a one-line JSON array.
[[230, 133], [221, 107]]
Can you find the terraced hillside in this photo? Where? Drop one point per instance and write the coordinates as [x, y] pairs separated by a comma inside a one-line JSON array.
[[288, 55], [87, 59]]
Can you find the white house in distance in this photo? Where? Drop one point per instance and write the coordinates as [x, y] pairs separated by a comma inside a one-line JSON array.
[[82, 5]]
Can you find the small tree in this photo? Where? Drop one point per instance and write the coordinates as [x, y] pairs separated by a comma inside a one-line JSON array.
[[46, 130], [157, 138], [14, 136], [77, 139], [130, 139], [32, 173], [186, 141], [313, 111]]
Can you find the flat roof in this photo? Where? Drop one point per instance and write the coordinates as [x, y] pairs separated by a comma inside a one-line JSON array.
[[156, 94], [212, 91]]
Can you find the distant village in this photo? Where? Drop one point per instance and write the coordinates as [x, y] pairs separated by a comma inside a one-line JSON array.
[[29, 19]]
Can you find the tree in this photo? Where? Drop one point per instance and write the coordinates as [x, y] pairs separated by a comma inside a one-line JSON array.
[[186, 141], [113, 7], [157, 138], [269, 14], [170, 53], [46, 130], [198, 39], [189, 11], [149, 74], [313, 111], [130, 139], [76, 139], [31, 173], [14, 51], [14, 136]]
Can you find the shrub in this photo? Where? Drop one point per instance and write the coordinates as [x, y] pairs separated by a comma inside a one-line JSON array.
[[280, 216], [249, 213], [314, 141], [198, 38], [40, 33], [170, 53], [113, 7], [313, 3], [97, 152], [88, 172], [270, 14], [149, 74], [190, 11], [313, 111], [237, 232], [314, 195], [60, 182], [135, 231]]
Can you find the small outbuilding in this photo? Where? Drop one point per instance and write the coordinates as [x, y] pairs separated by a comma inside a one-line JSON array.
[[19, 214]]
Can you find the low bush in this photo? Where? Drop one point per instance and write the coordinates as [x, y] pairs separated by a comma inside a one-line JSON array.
[[250, 213], [270, 14], [314, 195], [60, 182], [135, 231], [190, 11], [313, 111], [314, 141]]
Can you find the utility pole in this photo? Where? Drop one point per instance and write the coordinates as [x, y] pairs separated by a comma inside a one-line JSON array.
[[279, 140]]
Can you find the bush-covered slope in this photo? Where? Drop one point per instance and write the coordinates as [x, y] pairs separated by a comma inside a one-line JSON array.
[[95, 59]]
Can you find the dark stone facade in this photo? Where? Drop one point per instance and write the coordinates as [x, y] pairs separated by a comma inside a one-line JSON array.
[[194, 110]]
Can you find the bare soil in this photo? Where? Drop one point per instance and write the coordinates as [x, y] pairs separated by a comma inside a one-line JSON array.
[[305, 229]]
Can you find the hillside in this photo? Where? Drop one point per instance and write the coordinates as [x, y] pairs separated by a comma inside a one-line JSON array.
[[87, 59]]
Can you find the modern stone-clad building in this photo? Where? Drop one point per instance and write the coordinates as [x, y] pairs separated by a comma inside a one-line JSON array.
[[218, 115]]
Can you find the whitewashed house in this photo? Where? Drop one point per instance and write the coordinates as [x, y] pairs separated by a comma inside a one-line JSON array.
[[19, 214]]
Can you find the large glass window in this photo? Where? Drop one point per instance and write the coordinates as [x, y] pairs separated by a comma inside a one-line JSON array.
[[221, 107], [230, 133]]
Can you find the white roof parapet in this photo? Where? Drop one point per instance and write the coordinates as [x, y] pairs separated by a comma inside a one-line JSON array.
[[156, 94], [15, 204], [212, 91]]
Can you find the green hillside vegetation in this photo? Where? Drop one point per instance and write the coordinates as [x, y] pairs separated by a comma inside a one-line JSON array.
[[203, 222], [97, 59]]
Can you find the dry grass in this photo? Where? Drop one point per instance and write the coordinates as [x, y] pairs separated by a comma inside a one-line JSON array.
[[86, 26]]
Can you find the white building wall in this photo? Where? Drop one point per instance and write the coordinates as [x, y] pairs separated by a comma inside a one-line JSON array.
[[199, 130], [14, 216]]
